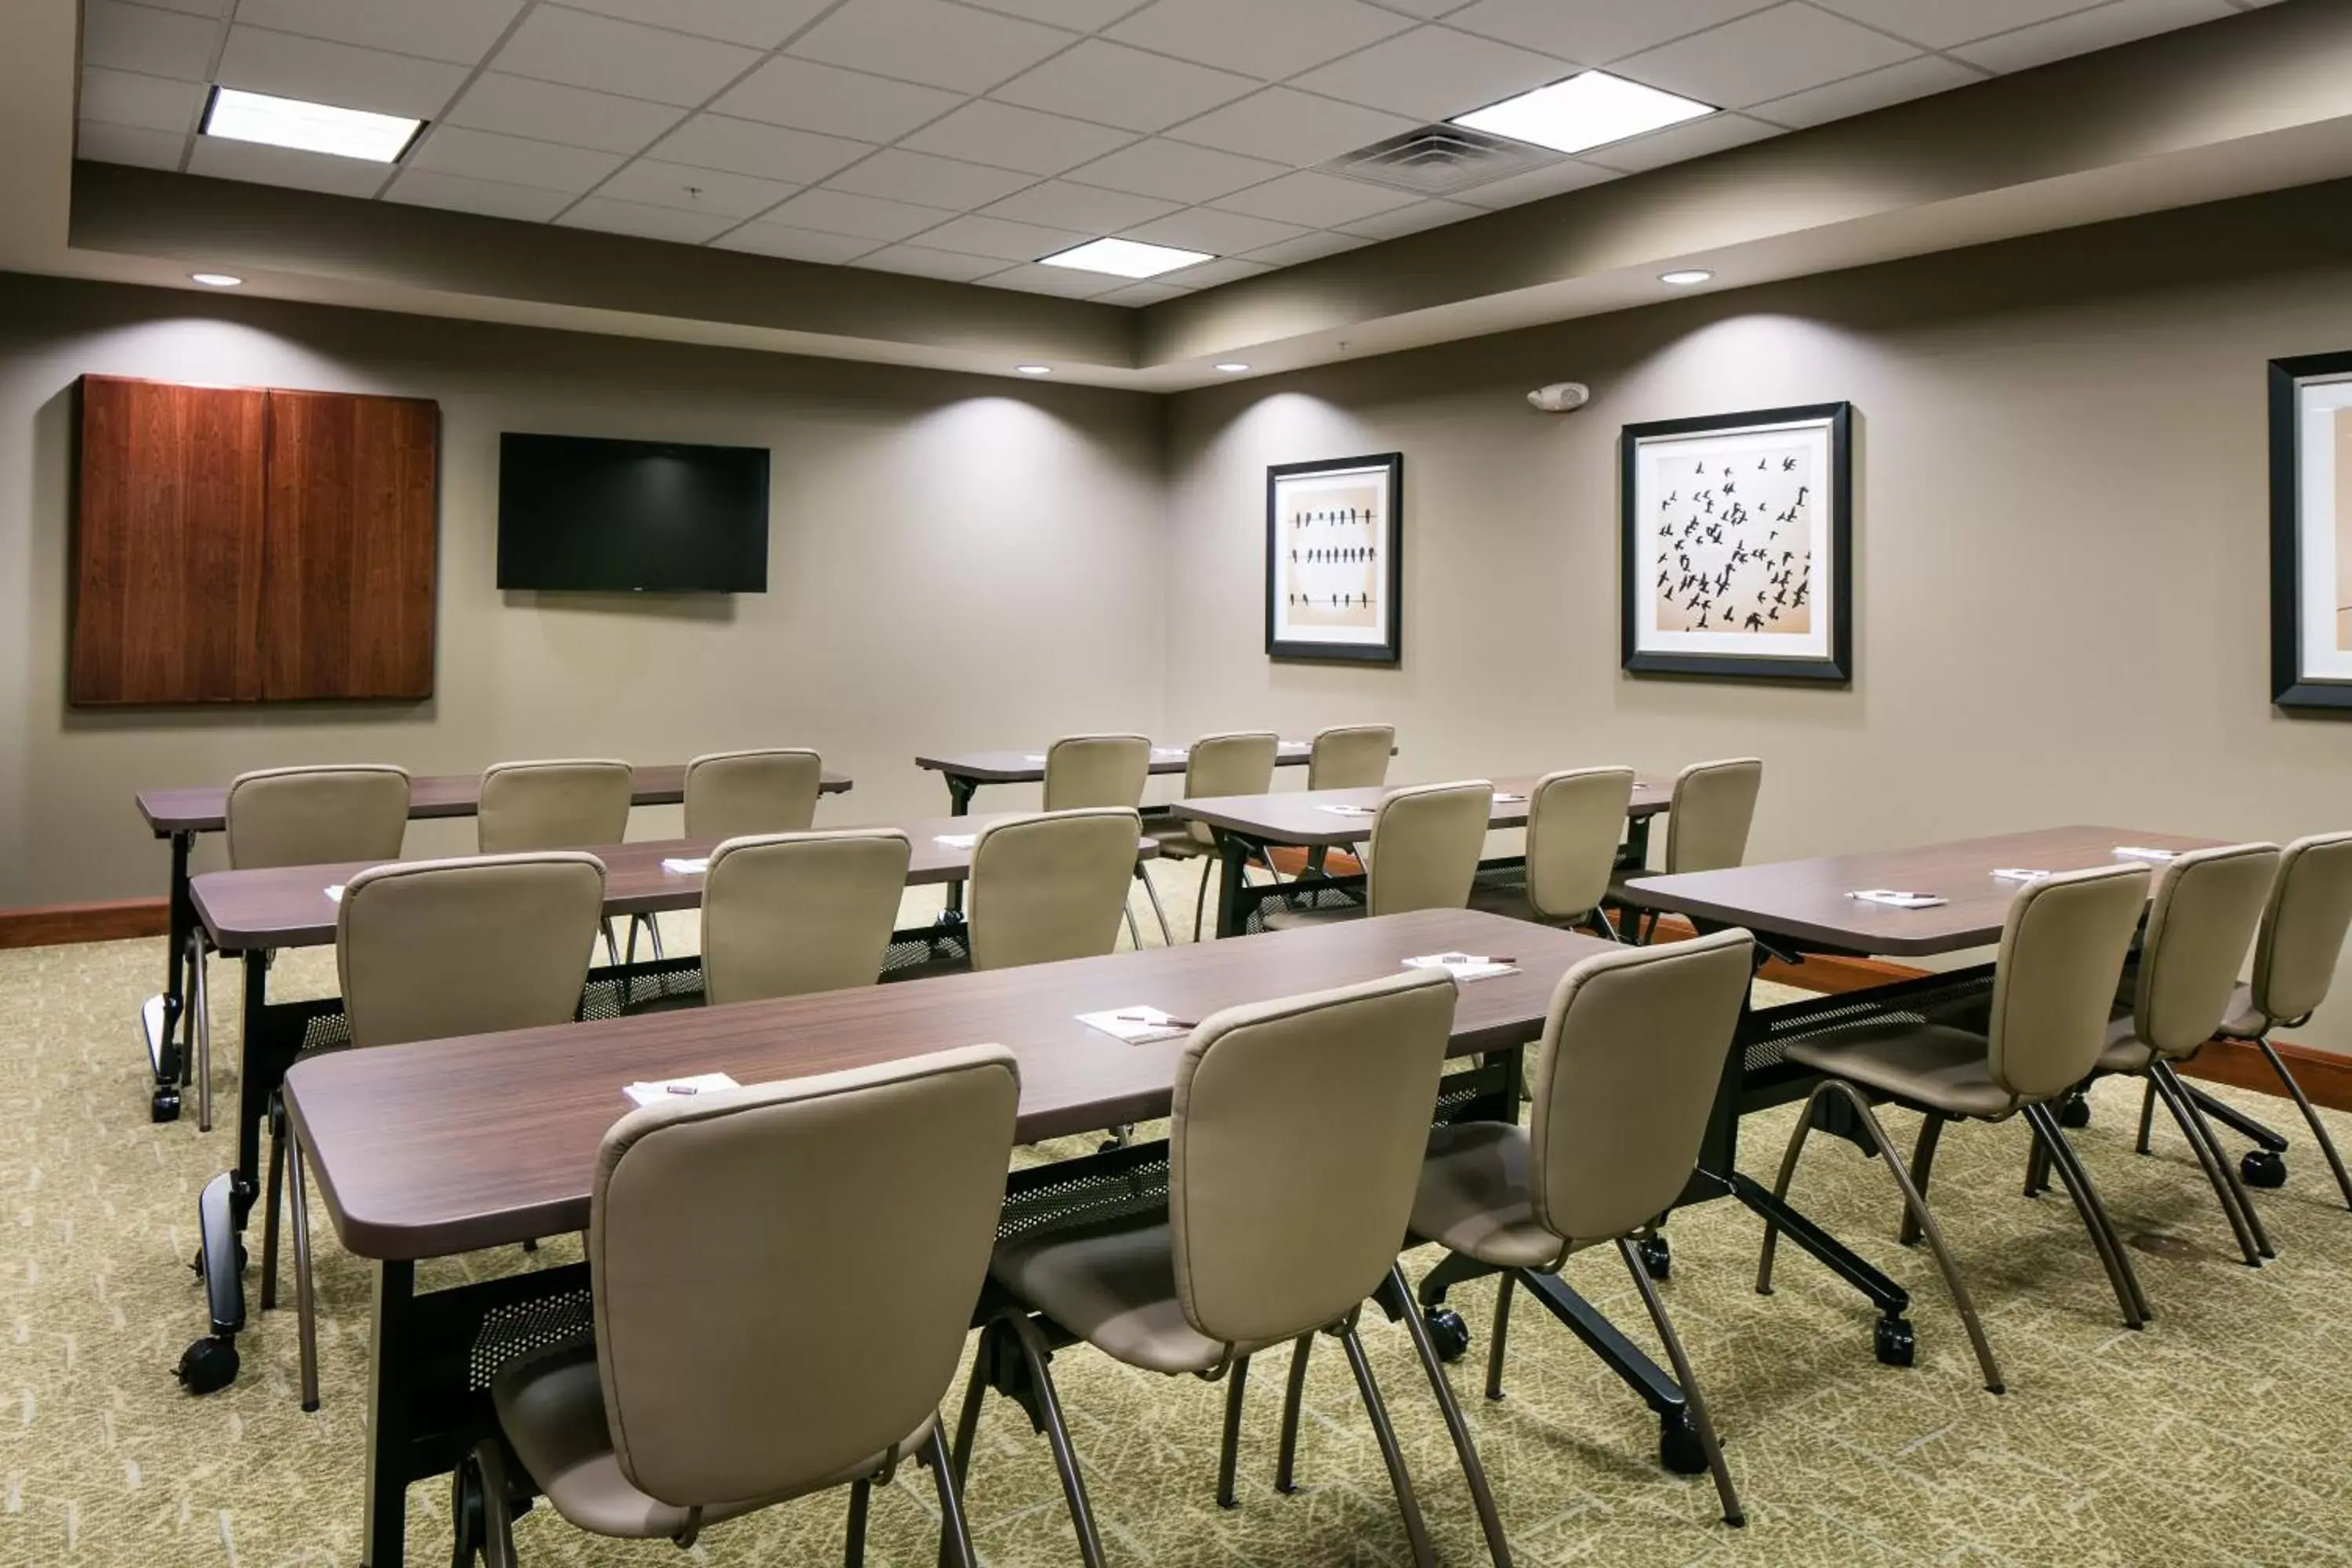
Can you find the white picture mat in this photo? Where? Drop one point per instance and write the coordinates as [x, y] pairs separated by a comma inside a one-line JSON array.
[[2318, 403], [1333, 489], [1654, 456]]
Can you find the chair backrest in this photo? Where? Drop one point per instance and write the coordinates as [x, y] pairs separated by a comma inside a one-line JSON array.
[[786, 913], [1575, 820], [1351, 756], [2302, 929], [1241, 763], [731, 794], [428, 949], [565, 804], [1631, 1057], [316, 816], [2062, 954], [1051, 887], [1096, 770], [720, 1230], [1708, 817], [1425, 845], [1295, 1149], [2208, 905]]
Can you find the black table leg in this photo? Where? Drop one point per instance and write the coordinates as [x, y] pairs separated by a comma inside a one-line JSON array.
[[164, 1023], [959, 793], [390, 1353], [1232, 876]]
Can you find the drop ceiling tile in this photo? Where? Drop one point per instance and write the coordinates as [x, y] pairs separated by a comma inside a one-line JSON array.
[[603, 213], [1000, 237], [860, 218], [1596, 32], [927, 41], [321, 72], [1058, 204], [1144, 293], [1678, 143], [761, 24], [252, 161], [1872, 90], [1011, 138], [808, 95], [901, 176], [1937, 24], [925, 263], [1429, 10], [766, 151], [793, 244], [1306, 248], [611, 56], [518, 161], [1079, 15], [107, 143], [1261, 40], [1208, 274], [1412, 219], [1175, 171], [2100, 28], [713, 191], [1316, 200], [150, 102], [1291, 126], [213, 8], [491, 198], [136, 38], [457, 30], [1434, 73], [1067, 281], [1553, 179], [1771, 54], [550, 111], [1113, 85], [1218, 233]]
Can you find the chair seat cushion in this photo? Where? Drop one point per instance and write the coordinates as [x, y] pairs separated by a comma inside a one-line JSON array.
[[1282, 917], [1926, 1064], [1175, 838], [2242, 1019], [1114, 1285], [2124, 1051], [1474, 1197]]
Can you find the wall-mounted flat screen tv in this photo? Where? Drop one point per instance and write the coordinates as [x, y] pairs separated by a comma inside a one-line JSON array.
[[580, 514]]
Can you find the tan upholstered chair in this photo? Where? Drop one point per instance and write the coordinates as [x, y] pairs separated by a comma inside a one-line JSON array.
[[1623, 1083], [1051, 887], [1424, 854], [2061, 951], [1216, 765], [1296, 1138], [1084, 770], [794, 912], [1576, 819], [577, 802], [733, 795], [1707, 818], [1351, 756], [724, 1377], [430, 949]]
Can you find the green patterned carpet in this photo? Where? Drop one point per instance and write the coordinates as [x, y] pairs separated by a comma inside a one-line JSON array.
[[2217, 1435]]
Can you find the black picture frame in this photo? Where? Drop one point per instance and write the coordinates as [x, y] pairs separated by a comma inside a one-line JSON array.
[[1391, 650], [1836, 667], [2291, 686]]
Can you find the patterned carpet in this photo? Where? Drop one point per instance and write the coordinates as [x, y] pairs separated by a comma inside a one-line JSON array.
[[2217, 1435]]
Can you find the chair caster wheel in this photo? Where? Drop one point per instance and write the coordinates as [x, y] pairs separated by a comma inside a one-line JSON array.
[[1678, 1446], [2262, 1168], [209, 1365], [1895, 1342], [1448, 1334], [164, 1106], [1657, 1256], [2074, 1112]]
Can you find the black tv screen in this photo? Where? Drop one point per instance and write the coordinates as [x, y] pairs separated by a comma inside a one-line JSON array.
[[588, 515]]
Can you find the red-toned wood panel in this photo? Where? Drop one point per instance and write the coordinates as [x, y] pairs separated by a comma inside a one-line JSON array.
[[347, 600], [168, 532]]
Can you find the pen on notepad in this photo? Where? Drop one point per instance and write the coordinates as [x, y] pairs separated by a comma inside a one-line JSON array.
[[1157, 1023], [680, 1089]]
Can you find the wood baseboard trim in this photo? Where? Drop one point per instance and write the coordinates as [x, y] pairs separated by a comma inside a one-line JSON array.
[[110, 920], [2326, 1076], [1831, 976]]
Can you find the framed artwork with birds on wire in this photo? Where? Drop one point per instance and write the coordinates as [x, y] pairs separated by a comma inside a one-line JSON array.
[[1334, 559], [1738, 552]]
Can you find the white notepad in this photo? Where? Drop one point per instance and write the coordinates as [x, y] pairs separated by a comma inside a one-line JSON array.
[[334, 893], [1464, 966], [1510, 799], [1167, 750], [2141, 852], [2019, 874], [1034, 757], [1136, 1026], [664, 1090], [1894, 898], [1351, 810], [686, 865], [955, 840]]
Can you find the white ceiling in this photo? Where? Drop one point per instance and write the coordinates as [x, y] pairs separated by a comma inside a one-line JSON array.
[[963, 139]]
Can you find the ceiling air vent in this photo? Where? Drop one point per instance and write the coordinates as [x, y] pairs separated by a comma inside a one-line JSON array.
[[1439, 160]]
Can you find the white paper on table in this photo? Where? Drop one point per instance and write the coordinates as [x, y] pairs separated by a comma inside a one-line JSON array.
[[1168, 751], [2019, 874], [1510, 799], [2140, 852], [1343, 810], [664, 1090], [955, 840], [334, 893], [1034, 757], [1894, 898], [686, 865], [1136, 1026], [1464, 966]]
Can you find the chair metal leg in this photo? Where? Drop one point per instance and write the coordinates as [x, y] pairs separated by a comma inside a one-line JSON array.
[[2318, 1129], [2105, 1237], [1733, 1515], [652, 934], [1035, 1351], [1134, 937], [1797, 1136], [955, 1531], [975, 1389], [498, 1510], [1502, 1333], [2236, 1202], [1416, 1529], [2147, 1115], [305, 1302], [1158, 914], [1285, 1464], [201, 1000], [612, 949], [1229, 1450], [1923, 1161], [1201, 898], [277, 1187], [1482, 1496], [861, 1500]]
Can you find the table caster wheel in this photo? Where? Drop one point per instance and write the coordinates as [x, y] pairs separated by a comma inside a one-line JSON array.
[[164, 1106], [1678, 1444], [1657, 1256], [209, 1365], [1896, 1343], [1448, 1334], [2074, 1112], [2262, 1168]]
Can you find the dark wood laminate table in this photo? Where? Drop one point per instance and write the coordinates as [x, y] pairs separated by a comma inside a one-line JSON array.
[[180, 814], [1244, 824], [423, 1150]]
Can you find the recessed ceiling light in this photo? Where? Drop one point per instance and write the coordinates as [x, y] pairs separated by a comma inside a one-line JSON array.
[[240, 116], [1587, 111], [215, 280], [1126, 257], [1687, 277], [1232, 367], [1034, 369]]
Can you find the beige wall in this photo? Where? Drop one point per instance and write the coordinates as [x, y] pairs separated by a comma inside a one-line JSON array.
[[2060, 539], [953, 561]]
